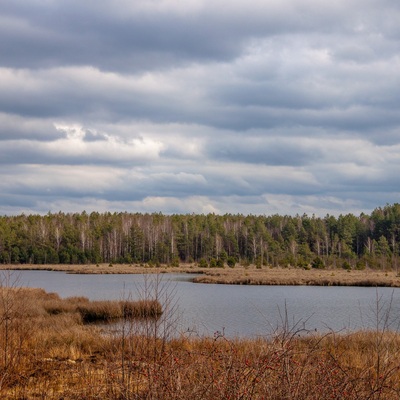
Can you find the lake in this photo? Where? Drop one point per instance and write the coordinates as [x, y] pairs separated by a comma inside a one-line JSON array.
[[245, 311]]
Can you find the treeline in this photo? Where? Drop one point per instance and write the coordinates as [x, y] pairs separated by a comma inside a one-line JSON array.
[[211, 240]]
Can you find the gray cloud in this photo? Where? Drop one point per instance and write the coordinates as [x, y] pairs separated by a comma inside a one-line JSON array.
[[264, 150], [122, 36], [14, 127], [258, 107]]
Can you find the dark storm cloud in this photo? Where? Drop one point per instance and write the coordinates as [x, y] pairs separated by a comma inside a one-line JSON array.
[[37, 36], [125, 36], [263, 150]]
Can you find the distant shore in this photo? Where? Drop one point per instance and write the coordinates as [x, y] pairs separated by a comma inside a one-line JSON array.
[[301, 277], [238, 275]]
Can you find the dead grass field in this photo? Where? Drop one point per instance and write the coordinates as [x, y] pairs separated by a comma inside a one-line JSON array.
[[55, 356], [105, 268], [296, 276], [239, 275]]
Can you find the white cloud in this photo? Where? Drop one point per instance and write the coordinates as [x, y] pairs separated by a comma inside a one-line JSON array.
[[74, 149]]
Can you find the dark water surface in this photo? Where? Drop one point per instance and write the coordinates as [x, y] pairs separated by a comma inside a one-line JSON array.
[[237, 310]]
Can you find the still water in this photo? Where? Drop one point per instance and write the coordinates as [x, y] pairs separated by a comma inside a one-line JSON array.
[[245, 311]]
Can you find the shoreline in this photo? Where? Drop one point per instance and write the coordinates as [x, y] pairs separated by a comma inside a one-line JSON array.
[[299, 277], [236, 276]]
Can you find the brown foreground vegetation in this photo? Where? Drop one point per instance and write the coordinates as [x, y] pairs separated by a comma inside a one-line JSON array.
[[48, 352], [238, 275]]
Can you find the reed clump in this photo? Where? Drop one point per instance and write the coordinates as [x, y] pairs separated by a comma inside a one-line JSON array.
[[38, 302], [141, 309], [95, 311]]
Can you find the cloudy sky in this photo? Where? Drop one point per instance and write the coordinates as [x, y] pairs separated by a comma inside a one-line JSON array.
[[197, 106]]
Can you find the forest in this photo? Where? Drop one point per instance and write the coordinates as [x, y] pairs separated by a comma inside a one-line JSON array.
[[346, 241]]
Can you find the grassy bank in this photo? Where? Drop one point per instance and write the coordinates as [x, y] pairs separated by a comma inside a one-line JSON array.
[[239, 275], [297, 276], [48, 352]]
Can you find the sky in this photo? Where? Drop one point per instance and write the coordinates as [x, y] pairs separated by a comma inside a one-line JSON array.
[[226, 106]]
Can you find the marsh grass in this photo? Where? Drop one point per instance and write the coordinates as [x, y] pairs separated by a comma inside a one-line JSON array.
[[48, 352], [28, 303], [141, 309], [240, 275]]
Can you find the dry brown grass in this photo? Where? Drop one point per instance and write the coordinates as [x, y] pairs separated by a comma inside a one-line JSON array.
[[46, 352], [32, 302], [104, 268], [239, 275], [297, 276]]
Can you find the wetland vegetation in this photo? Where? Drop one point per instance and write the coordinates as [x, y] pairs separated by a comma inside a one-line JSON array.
[[48, 350]]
